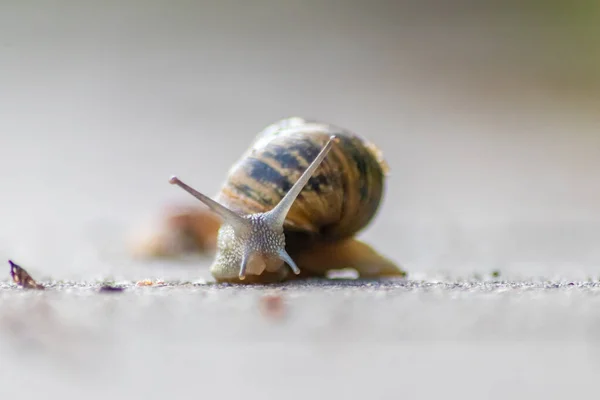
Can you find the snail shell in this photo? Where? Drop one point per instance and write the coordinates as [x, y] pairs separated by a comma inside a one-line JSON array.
[[339, 199], [343, 185]]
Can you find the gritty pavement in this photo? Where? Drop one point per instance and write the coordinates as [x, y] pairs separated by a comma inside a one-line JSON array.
[[322, 338]]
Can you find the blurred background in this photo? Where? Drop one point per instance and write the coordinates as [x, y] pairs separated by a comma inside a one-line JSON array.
[[488, 114]]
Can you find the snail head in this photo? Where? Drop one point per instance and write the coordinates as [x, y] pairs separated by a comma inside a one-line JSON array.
[[254, 243]]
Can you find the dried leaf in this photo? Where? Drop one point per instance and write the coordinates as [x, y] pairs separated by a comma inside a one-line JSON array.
[[22, 277]]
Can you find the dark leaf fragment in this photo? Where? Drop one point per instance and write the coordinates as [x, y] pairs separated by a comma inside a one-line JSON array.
[[22, 277], [110, 288]]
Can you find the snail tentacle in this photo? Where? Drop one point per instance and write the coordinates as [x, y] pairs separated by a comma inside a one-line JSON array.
[[278, 214], [245, 258], [239, 223], [288, 259]]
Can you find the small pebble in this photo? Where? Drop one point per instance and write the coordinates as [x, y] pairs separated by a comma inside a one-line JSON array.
[[272, 306]]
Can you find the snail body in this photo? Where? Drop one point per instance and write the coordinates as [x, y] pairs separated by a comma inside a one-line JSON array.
[[293, 203]]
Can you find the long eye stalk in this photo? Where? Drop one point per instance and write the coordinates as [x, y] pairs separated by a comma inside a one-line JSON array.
[[238, 223], [278, 214]]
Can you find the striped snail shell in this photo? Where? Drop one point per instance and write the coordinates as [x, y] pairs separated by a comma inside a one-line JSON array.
[[298, 196]]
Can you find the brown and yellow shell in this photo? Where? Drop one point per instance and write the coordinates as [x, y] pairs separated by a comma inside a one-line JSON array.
[[341, 197]]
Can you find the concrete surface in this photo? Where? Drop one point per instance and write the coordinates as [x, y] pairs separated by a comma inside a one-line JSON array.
[[347, 339]]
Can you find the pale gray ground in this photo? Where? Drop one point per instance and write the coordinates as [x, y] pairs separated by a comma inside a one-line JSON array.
[[419, 340], [493, 168]]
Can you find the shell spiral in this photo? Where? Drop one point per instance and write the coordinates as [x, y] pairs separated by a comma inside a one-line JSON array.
[[341, 197]]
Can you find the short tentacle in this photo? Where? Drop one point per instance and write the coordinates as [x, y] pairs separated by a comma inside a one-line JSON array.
[[286, 257]]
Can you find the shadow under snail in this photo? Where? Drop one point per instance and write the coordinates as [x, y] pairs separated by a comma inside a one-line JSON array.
[[290, 208]]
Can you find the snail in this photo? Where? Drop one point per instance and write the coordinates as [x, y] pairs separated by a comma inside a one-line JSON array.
[[292, 205]]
